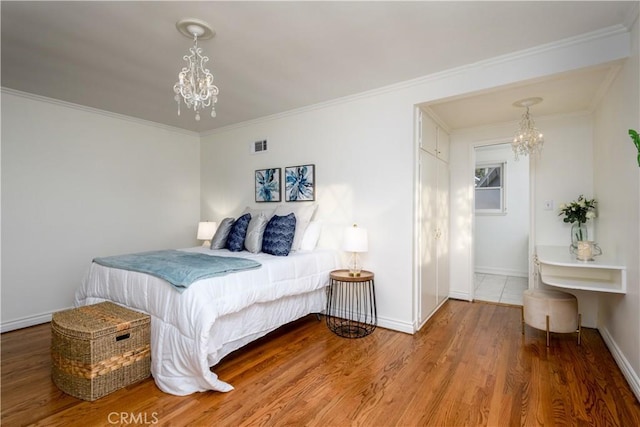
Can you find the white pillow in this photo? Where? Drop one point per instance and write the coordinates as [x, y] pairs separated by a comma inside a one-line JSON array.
[[303, 215], [255, 232], [311, 236]]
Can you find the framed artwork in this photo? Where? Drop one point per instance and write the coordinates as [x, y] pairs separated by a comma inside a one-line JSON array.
[[300, 183], [268, 185]]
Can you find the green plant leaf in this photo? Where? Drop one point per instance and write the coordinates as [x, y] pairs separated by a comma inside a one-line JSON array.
[[636, 140], [635, 137]]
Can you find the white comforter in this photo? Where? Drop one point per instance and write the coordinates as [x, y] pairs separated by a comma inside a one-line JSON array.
[[185, 339]]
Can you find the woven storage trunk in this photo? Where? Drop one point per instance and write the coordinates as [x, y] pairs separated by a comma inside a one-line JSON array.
[[98, 349]]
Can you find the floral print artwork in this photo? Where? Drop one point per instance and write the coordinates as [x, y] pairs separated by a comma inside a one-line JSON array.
[[300, 183], [268, 185]]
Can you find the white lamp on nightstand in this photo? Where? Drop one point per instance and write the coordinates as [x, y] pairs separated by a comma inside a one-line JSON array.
[[206, 230], [355, 241]]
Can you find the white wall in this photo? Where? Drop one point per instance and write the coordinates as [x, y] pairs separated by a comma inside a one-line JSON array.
[[363, 154], [563, 172], [617, 189], [77, 184], [501, 241]]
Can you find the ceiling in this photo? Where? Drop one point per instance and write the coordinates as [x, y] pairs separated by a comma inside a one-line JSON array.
[[572, 92], [270, 57]]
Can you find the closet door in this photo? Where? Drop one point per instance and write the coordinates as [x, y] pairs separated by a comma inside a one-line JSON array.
[[428, 228], [443, 145], [429, 134], [442, 235]]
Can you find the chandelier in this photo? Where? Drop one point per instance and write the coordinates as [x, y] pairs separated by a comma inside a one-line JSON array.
[[195, 82], [528, 139]]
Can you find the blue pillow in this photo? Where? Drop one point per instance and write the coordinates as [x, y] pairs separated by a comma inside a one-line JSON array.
[[235, 240], [278, 235]]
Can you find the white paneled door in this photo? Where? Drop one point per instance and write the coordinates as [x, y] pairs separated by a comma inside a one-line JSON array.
[[428, 230], [442, 233], [433, 217]]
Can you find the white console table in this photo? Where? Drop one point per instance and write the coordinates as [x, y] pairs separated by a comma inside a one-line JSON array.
[[560, 268]]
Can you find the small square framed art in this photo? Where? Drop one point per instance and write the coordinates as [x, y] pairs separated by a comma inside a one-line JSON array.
[[300, 183], [268, 185]]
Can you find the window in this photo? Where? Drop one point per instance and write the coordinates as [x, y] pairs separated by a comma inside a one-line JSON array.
[[489, 189]]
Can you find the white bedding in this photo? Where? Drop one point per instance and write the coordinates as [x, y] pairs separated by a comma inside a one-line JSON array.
[[192, 331]]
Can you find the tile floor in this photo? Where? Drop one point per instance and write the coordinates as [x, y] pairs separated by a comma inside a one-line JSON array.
[[496, 288]]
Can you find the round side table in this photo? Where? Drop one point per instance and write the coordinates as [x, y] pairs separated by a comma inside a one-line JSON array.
[[351, 304]]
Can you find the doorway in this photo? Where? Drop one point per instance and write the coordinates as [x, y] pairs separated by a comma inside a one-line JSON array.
[[501, 224]]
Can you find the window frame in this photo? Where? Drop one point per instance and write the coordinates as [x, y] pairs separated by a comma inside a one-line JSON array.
[[502, 210]]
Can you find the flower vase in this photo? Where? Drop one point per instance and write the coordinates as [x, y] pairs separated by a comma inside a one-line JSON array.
[[578, 233]]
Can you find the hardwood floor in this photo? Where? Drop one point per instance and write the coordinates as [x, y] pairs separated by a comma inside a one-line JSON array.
[[470, 365]]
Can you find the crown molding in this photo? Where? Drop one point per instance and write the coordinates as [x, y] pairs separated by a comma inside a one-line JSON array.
[[71, 105], [408, 84]]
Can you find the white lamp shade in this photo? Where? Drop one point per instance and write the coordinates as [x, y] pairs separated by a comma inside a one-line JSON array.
[[206, 230], [355, 239]]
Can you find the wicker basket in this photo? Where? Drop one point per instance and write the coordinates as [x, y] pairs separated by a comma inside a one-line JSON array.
[[98, 349]]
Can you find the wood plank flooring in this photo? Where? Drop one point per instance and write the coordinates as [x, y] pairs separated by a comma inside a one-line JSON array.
[[469, 366]]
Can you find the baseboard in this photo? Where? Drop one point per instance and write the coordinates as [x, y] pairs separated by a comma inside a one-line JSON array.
[[501, 271], [383, 322], [396, 325], [419, 326], [627, 370], [25, 322], [464, 296]]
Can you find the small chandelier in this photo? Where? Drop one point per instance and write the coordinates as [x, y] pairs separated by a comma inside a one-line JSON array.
[[528, 139], [195, 82]]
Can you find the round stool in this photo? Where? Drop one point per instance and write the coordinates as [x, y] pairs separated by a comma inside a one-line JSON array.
[[551, 311]]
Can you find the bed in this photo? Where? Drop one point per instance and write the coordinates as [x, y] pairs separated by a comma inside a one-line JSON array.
[[193, 330]]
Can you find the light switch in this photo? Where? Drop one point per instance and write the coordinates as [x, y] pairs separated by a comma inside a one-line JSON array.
[[548, 205]]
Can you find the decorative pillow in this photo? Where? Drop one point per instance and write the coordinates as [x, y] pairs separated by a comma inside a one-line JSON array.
[[311, 236], [219, 240], [255, 231], [235, 241], [278, 236], [303, 217]]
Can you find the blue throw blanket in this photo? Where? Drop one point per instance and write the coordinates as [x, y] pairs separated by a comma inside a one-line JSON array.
[[179, 268]]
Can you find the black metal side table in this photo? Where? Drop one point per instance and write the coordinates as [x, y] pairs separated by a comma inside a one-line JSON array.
[[351, 304]]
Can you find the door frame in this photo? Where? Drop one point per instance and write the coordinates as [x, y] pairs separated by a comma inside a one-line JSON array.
[[532, 220]]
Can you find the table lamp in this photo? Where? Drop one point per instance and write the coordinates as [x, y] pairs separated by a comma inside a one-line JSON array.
[[355, 241], [206, 230]]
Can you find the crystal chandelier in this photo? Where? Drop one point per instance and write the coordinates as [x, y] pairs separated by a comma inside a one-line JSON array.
[[195, 82], [528, 139]]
